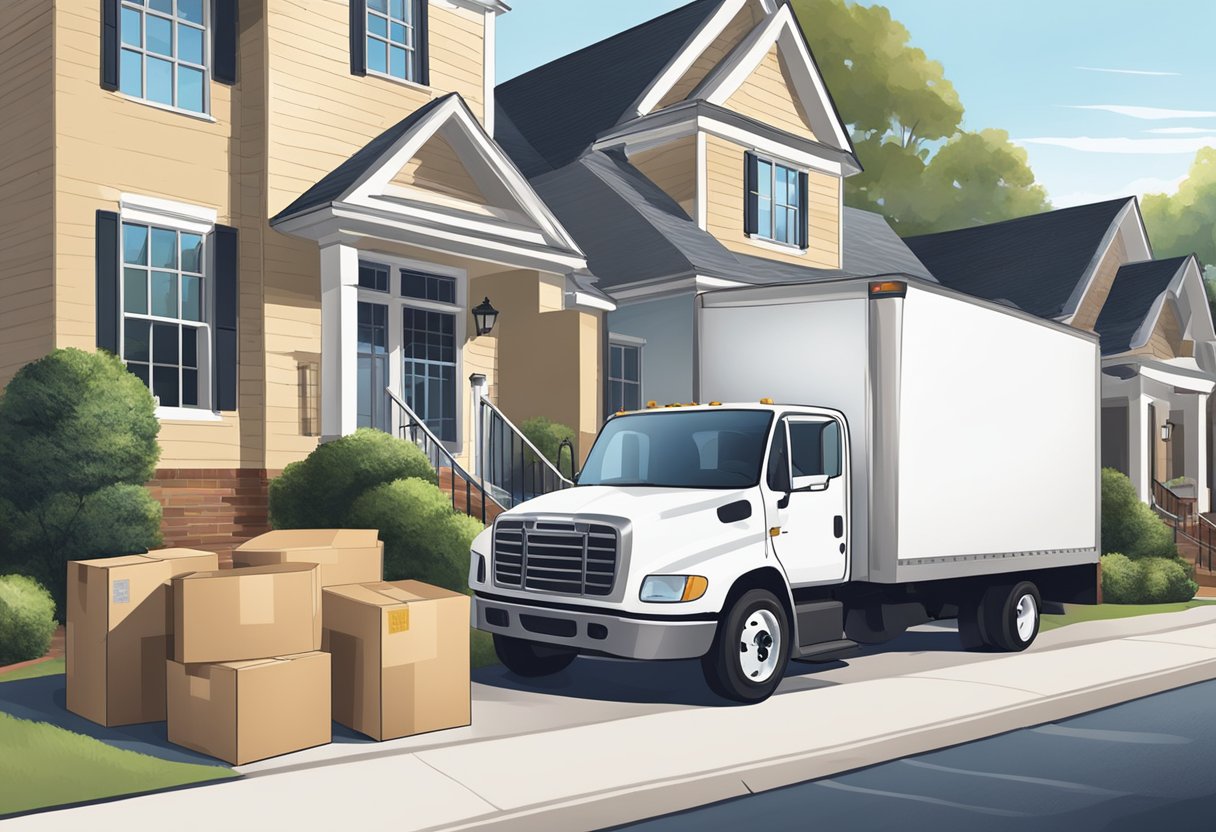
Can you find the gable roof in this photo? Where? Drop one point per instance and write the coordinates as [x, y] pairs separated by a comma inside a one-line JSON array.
[[1133, 295], [603, 200], [1036, 262], [558, 109]]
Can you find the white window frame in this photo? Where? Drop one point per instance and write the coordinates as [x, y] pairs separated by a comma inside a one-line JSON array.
[[412, 66], [141, 7], [191, 219], [396, 326], [616, 339], [769, 239]]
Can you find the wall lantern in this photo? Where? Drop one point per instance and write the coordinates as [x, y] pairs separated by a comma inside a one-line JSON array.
[[486, 316], [1166, 430]]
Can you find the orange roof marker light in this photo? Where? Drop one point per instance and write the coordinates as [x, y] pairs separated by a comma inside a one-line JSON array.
[[766, 400], [652, 404], [715, 404], [889, 289]]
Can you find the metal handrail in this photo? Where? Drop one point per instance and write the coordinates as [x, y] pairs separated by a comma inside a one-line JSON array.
[[435, 449], [544, 460], [1206, 538]]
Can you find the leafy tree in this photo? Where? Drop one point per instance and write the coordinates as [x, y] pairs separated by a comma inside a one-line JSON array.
[[1185, 222], [77, 443], [922, 171]]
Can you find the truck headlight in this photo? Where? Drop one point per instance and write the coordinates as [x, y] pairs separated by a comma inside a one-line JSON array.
[[673, 589]]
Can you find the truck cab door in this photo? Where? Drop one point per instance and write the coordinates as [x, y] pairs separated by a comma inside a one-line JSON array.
[[806, 496]]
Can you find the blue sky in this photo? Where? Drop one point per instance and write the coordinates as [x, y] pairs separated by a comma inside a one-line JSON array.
[[1040, 69]]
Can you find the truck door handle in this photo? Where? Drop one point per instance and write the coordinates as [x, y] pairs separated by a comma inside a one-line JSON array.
[[838, 526]]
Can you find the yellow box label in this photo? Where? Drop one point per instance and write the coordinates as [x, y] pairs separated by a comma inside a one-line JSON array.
[[398, 621]]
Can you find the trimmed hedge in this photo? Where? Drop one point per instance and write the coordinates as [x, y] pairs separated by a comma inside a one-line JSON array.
[[1129, 526], [1145, 580], [424, 539], [318, 492], [547, 436], [27, 619]]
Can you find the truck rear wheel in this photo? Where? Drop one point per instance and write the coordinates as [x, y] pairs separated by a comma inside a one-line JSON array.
[[531, 658], [1009, 616], [751, 649]]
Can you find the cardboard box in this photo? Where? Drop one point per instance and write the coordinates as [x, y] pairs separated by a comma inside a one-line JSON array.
[[252, 613], [346, 556], [120, 631], [400, 657], [250, 710]]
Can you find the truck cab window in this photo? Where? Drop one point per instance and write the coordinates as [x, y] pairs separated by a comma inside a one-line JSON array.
[[816, 448], [778, 461]]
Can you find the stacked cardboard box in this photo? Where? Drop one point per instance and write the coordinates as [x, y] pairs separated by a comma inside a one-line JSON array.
[[247, 680], [120, 631], [400, 657], [346, 556]]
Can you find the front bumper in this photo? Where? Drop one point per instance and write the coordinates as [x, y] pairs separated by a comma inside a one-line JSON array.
[[597, 630]]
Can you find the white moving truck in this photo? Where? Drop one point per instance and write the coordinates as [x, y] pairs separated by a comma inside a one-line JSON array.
[[928, 455]]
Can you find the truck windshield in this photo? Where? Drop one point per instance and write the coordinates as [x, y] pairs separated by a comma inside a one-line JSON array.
[[680, 449]]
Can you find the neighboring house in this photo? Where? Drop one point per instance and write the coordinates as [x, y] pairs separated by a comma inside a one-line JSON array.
[[273, 221], [1092, 267], [699, 150]]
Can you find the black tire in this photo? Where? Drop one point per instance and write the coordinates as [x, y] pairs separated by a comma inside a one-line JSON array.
[[722, 665], [998, 614], [531, 659]]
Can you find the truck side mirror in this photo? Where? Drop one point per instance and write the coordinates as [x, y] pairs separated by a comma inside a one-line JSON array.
[[814, 482]]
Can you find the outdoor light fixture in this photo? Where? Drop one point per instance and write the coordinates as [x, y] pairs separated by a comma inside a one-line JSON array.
[[1166, 430], [486, 316]]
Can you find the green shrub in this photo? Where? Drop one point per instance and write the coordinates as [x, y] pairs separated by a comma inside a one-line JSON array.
[[1129, 525], [424, 538], [318, 492], [77, 443], [1145, 581], [27, 619], [547, 436]]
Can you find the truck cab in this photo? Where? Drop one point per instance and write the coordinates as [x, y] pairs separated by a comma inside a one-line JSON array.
[[686, 536]]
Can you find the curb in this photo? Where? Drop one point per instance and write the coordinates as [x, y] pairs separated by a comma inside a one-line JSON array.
[[629, 805]]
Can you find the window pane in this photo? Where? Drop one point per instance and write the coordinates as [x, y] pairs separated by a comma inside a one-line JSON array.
[[135, 244], [190, 388], [140, 371], [398, 9], [377, 25], [781, 225], [190, 89], [192, 252], [160, 35], [165, 6], [631, 363], [164, 249], [160, 81], [132, 27], [633, 397], [135, 291], [131, 74], [792, 226], [164, 344], [135, 340], [164, 294], [377, 55], [765, 179], [378, 5], [191, 10], [164, 384], [396, 61], [398, 33], [765, 224], [190, 44], [615, 365], [192, 298], [190, 338]]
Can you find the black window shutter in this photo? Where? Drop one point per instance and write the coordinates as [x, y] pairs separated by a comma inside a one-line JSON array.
[[751, 197], [422, 34], [226, 296], [109, 44], [358, 37], [804, 219], [107, 281], [224, 42]]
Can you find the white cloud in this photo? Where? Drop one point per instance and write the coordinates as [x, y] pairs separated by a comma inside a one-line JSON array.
[[1137, 187], [1125, 71], [1121, 144], [1150, 113], [1180, 131]]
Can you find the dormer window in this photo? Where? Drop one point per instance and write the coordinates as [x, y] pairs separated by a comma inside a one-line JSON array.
[[389, 38], [775, 208]]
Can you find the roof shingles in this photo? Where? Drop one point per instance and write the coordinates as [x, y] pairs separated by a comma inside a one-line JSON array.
[[1135, 288]]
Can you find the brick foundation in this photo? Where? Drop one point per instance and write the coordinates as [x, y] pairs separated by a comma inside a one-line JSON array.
[[213, 509]]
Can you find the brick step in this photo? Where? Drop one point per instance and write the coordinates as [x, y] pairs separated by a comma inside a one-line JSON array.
[[467, 498]]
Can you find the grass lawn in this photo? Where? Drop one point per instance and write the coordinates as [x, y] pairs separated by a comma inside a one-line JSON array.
[[43, 765], [1076, 613], [33, 671]]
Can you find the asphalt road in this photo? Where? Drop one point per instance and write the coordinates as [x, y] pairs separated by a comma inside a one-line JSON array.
[[1145, 765]]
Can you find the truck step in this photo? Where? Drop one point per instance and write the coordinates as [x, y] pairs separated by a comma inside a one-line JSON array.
[[824, 651]]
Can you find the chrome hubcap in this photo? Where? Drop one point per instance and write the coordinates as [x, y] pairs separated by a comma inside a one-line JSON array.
[[1028, 613], [759, 645]]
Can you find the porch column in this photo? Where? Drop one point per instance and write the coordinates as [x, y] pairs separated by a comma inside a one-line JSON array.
[[339, 340], [1139, 418], [477, 388], [1195, 440]]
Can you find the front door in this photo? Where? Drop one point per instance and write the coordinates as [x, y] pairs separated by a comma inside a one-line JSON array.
[[809, 527], [373, 402]]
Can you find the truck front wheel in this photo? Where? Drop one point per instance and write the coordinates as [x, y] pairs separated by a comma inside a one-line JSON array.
[[750, 650], [530, 658]]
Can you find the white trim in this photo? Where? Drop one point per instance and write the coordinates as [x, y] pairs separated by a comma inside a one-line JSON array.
[[168, 108], [781, 30], [187, 414], [626, 340], [1073, 304], [664, 287], [702, 181], [478, 5], [776, 245], [487, 89], [405, 82], [180, 215]]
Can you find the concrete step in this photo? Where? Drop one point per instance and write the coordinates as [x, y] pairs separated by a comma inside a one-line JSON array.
[[467, 498]]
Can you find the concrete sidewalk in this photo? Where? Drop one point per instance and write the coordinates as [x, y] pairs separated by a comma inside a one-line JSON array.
[[651, 760]]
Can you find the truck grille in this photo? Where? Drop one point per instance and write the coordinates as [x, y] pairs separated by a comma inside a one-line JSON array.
[[563, 557]]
